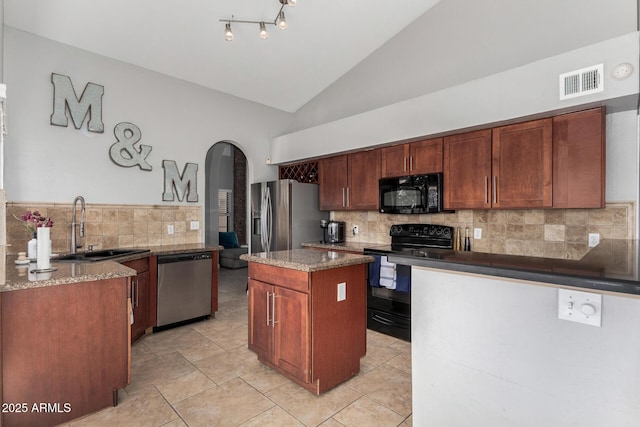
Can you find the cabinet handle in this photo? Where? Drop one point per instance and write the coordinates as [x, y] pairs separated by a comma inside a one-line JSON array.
[[348, 201], [411, 163], [486, 189], [273, 310], [404, 166], [343, 199], [134, 299], [137, 292], [495, 189], [268, 293]]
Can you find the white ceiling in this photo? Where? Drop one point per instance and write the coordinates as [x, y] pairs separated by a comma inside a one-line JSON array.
[[184, 39]]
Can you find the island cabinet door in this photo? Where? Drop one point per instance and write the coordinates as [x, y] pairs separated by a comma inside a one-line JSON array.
[[260, 329], [291, 349]]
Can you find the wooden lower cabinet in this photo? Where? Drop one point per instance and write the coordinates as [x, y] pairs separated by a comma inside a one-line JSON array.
[[65, 350], [298, 328]]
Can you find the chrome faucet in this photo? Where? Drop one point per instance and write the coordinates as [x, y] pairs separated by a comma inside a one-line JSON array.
[[74, 245]]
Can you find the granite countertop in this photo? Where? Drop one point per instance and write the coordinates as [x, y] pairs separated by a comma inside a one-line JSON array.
[[612, 266], [21, 276], [306, 260], [344, 246]]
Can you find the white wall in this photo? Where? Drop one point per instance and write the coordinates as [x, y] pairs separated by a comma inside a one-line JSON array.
[[178, 119], [519, 92], [459, 41], [492, 352]]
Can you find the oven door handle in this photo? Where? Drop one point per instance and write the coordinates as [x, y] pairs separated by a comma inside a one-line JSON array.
[[382, 320]]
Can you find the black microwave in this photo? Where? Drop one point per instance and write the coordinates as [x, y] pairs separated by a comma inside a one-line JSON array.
[[411, 194]]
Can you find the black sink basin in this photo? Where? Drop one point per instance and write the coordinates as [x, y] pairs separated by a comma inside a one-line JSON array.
[[99, 255]]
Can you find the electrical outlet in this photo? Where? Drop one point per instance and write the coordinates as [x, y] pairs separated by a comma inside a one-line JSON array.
[[594, 239], [477, 233], [170, 229], [342, 291], [194, 225], [356, 229]]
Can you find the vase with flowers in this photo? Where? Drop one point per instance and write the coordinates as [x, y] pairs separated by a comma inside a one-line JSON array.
[[32, 222]]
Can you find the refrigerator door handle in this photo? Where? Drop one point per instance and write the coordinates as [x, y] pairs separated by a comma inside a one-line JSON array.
[[265, 219], [269, 219]]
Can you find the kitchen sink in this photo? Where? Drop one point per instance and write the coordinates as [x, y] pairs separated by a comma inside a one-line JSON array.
[[99, 255]]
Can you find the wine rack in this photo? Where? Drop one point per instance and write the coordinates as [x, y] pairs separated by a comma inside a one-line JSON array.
[[301, 172]]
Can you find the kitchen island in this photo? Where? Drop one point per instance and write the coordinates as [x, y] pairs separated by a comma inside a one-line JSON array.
[[488, 347], [307, 314]]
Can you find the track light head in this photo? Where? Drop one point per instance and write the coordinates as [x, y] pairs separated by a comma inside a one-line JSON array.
[[282, 22], [228, 34], [263, 31]]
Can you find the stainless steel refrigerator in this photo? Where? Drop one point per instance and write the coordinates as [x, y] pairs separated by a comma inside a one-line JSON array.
[[284, 214]]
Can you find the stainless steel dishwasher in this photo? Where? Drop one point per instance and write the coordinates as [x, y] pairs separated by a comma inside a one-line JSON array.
[[184, 288]]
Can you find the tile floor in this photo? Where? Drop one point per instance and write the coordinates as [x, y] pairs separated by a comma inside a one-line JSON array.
[[203, 374]]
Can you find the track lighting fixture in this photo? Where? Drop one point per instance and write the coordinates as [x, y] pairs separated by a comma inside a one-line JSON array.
[[279, 21]]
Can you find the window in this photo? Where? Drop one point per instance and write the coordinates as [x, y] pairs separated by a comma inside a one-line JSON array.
[[225, 209]]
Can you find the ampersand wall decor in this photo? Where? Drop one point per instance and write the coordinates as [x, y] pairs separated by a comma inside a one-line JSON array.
[[123, 152]]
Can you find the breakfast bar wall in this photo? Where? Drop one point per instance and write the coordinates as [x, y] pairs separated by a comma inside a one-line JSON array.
[[108, 226]]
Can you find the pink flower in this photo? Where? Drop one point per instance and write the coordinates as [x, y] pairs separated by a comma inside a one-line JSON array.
[[33, 220]]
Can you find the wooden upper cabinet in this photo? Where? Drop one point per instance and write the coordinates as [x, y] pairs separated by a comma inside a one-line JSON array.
[[364, 174], [504, 167], [350, 182], [425, 156], [579, 159], [332, 177], [467, 170], [394, 161], [522, 163], [412, 159]]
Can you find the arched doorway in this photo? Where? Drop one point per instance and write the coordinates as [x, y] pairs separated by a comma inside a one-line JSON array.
[[225, 192]]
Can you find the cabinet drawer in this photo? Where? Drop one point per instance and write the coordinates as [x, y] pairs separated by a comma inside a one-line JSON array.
[[140, 265], [284, 277]]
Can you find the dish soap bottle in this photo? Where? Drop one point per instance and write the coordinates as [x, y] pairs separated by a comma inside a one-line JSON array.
[[32, 247]]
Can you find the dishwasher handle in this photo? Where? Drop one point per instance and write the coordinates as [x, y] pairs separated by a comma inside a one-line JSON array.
[[192, 256]]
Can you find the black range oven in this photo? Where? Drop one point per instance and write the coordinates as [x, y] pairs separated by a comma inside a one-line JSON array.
[[389, 289]]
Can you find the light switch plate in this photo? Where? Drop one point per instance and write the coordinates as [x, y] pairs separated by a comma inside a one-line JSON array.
[[477, 233], [169, 229], [194, 225], [342, 291], [581, 307]]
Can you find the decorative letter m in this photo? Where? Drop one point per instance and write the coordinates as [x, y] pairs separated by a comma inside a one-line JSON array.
[[180, 184], [90, 103]]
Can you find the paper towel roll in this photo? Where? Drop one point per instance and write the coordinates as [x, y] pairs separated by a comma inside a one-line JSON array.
[[44, 248]]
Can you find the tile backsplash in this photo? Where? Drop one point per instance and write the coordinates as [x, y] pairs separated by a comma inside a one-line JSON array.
[[108, 226], [551, 233]]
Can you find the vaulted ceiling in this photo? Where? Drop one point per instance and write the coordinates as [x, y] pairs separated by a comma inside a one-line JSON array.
[[184, 39]]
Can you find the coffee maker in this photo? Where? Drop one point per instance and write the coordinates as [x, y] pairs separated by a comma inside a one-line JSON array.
[[334, 232]]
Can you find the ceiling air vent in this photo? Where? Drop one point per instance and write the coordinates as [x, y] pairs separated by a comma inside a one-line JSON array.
[[581, 82]]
